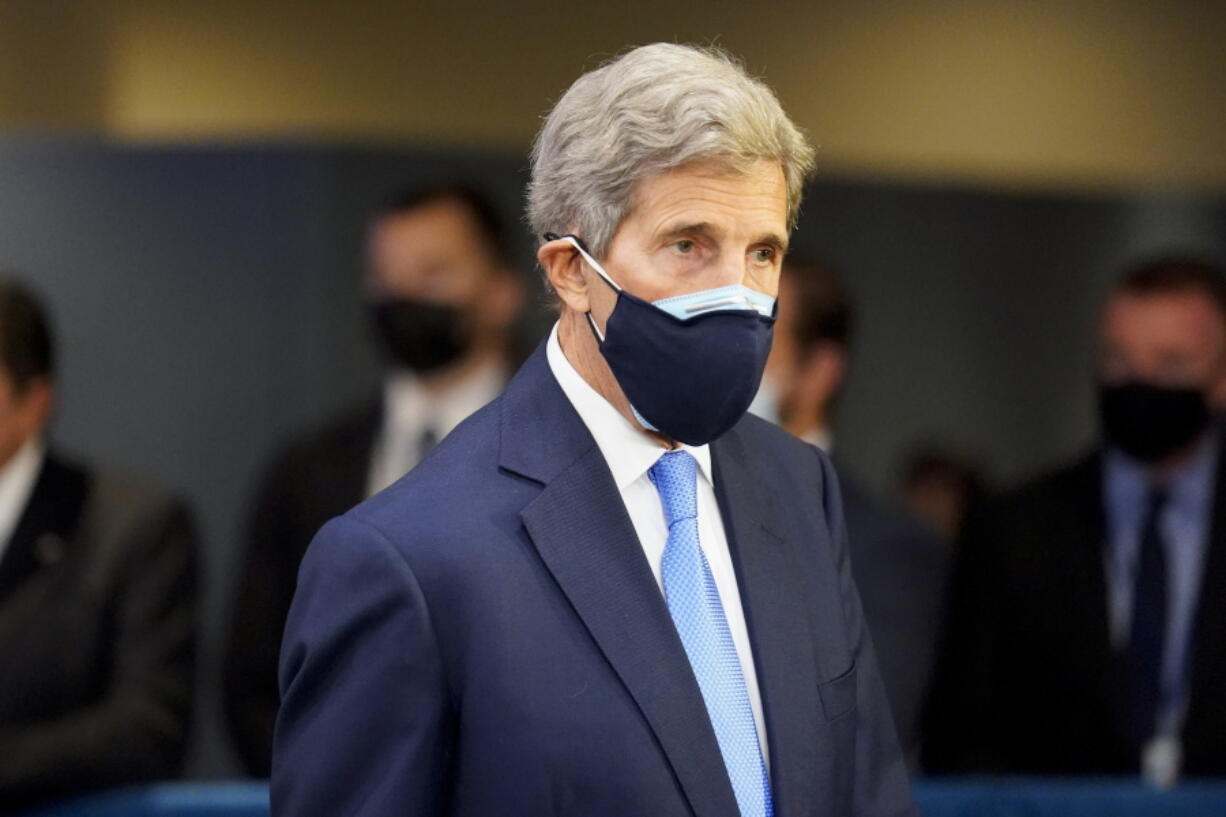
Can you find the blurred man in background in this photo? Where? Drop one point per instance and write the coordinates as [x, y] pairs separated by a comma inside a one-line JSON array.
[[1088, 622], [97, 599], [443, 297], [898, 567], [940, 486]]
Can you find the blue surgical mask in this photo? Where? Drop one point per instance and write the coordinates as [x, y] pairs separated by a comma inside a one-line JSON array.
[[691, 364]]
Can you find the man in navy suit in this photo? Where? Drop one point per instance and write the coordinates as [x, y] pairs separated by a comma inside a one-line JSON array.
[[609, 593]]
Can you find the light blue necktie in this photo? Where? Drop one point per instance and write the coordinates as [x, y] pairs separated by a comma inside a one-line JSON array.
[[693, 602]]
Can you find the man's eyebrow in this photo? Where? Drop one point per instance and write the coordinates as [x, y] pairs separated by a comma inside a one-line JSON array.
[[770, 239], [774, 240], [685, 228]]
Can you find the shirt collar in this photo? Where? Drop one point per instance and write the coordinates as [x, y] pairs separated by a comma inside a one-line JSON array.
[[17, 479], [628, 451], [1190, 486], [819, 437], [1193, 483]]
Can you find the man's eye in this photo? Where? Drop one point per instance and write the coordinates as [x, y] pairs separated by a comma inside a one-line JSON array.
[[684, 246], [764, 255]]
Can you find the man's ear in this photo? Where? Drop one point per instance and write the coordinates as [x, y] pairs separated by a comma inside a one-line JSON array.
[[564, 268]]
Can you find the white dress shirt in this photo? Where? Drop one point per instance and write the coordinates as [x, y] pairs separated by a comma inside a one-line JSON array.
[[17, 478], [409, 409], [630, 453], [819, 437]]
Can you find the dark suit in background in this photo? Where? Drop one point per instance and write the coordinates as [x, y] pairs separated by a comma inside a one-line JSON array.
[[1087, 625], [314, 479], [97, 634], [1027, 681], [899, 568]]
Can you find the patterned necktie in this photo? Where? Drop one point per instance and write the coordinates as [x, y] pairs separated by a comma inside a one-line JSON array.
[[693, 601], [1149, 616]]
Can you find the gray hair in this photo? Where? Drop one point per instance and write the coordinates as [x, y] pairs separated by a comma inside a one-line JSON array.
[[653, 109]]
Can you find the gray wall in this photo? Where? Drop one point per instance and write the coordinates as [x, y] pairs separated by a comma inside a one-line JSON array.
[[207, 307]]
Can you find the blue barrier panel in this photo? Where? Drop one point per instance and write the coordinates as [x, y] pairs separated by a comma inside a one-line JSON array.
[[1067, 798], [169, 800], [952, 798]]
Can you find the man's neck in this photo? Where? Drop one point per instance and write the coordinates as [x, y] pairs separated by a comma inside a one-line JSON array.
[[27, 447], [1165, 470], [481, 357], [581, 349], [814, 434]]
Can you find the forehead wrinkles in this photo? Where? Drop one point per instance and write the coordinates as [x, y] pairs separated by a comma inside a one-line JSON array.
[[732, 198]]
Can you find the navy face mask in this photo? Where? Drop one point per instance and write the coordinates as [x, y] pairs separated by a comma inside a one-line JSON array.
[[690, 365]]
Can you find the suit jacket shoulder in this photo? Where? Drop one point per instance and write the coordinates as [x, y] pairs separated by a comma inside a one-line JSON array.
[[488, 629], [126, 515], [790, 468], [1026, 651], [100, 605], [1048, 496], [451, 499], [312, 478], [332, 457]]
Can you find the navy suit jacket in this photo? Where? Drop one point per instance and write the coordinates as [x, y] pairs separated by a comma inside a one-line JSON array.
[[486, 638]]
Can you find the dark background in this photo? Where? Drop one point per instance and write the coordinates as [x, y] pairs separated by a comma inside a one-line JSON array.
[[207, 305]]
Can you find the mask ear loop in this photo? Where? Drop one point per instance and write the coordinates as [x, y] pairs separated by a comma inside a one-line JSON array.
[[595, 265]]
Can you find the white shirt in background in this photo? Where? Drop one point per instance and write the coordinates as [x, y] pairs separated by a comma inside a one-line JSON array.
[[820, 437], [629, 453], [17, 478], [409, 409]]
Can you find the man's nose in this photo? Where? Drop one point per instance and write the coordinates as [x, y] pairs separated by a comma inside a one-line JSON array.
[[735, 268], [732, 269]]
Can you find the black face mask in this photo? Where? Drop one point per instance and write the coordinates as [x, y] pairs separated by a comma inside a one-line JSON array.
[[421, 335], [1150, 422]]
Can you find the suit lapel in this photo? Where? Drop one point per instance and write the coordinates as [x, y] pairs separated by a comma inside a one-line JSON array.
[[1085, 599], [1207, 662], [585, 538], [46, 526], [1087, 546], [772, 592], [355, 449]]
